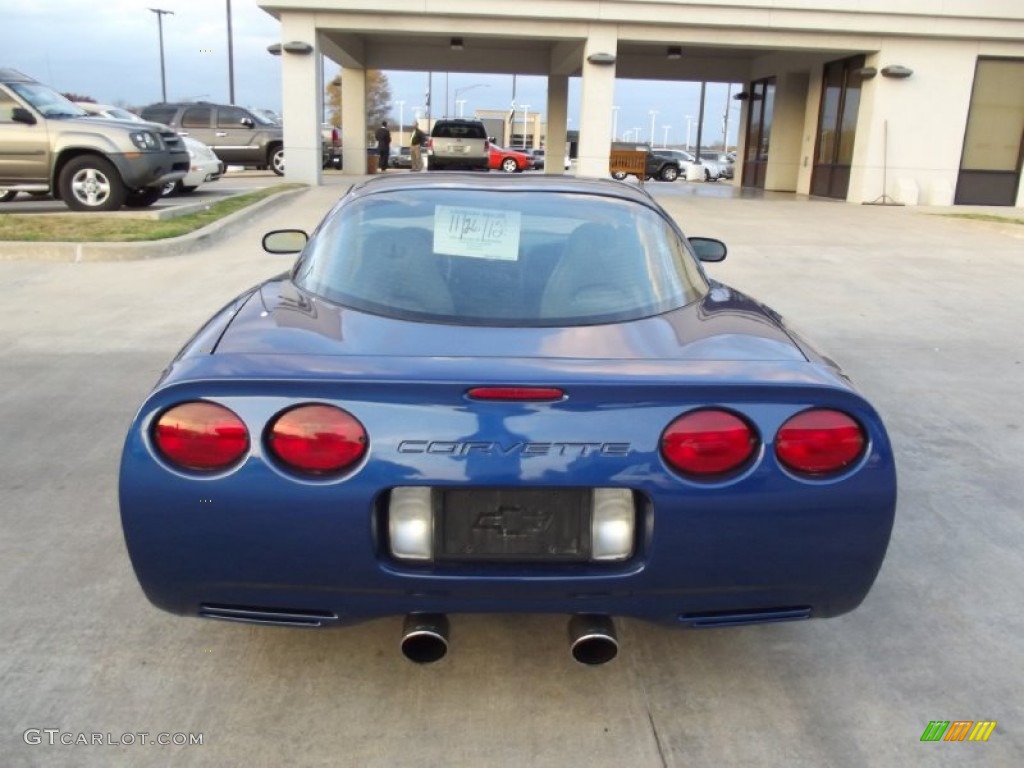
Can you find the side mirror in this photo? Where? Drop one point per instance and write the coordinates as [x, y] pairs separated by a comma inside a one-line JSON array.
[[285, 241], [708, 249], [22, 115], [248, 122]]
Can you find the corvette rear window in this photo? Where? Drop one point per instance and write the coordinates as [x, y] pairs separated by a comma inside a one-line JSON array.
[[504, 258]]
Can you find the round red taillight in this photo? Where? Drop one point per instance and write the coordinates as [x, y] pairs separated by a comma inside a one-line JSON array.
[[708, 442], [819, 441], [317, 439], [200, 436]]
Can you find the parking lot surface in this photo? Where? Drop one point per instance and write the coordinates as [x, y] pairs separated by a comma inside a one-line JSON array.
[[924, 313]]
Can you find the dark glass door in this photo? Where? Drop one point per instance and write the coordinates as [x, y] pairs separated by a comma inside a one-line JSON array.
[[759, 129], [990, 166], [837, 128]]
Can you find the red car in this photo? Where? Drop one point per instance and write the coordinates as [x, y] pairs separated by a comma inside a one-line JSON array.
[[508, 160]]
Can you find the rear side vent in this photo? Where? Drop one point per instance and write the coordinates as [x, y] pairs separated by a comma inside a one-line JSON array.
[[741, 618], [282, 617]]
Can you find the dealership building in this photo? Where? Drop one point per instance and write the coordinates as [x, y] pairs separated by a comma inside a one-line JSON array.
[[916, 101]]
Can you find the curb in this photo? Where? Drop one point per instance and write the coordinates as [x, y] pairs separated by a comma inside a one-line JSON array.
[[149, 249]]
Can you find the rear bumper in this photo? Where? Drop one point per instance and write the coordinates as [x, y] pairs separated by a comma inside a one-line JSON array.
[[696, 559]]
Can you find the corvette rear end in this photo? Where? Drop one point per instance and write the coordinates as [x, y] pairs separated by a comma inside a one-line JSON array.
[[308, 462]]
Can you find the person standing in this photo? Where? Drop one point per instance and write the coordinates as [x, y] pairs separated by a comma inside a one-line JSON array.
[[383, 136], [416, 148]]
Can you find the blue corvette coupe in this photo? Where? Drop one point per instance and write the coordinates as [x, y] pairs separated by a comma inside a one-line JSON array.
[[503, 394]]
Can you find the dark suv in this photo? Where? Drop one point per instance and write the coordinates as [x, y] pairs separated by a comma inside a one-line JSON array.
[[457, 143], [237, 135]]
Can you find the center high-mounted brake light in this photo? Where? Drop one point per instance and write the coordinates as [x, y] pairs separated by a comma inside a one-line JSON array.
[[516, 393]]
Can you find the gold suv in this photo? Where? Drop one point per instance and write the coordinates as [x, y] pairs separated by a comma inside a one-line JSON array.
[[50, 146]]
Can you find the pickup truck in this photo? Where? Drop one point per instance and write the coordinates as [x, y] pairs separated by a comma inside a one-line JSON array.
[[656, 166]]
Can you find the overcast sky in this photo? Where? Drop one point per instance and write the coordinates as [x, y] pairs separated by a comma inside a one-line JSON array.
[[109, 50]]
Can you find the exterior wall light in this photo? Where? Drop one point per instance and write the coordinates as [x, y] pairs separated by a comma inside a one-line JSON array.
[[457, 44], [297, 46], [601, 59], [274, 49], [675, 52], [898, 71]]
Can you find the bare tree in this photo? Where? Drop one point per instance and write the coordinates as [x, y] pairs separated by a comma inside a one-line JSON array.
[[378, 99]]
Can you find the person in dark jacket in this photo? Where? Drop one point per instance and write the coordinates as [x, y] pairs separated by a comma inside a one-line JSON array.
[[383, 136]]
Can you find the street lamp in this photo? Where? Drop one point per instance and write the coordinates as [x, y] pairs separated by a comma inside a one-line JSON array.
[[664, 141], [401, 122], [615, 123], [160, 13], [231, 60], [526, 112], [653, 113], [465, 88], [459, 104], [690, 120]]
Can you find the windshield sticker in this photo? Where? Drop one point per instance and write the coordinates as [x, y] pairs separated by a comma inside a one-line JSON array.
[[481, 233]]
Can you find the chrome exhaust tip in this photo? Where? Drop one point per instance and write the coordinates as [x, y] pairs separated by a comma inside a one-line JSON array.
[[592, 639], [425, 637]]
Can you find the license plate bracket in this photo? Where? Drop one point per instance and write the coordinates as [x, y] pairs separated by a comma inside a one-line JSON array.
[[513, 524]]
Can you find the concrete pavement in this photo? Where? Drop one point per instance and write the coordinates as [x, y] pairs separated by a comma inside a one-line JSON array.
[[923, 312]]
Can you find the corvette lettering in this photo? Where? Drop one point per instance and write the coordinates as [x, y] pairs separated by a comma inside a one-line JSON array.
[[486, 448]]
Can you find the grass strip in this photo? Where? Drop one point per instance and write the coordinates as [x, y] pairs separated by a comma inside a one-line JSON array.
[[28, 227]]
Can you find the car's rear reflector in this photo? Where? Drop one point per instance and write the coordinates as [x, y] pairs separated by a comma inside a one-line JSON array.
[[316, 439], [516, 393], [708, 442], [200, 436], [819, 441]]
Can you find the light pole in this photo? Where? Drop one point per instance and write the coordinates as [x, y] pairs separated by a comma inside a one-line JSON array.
[[653, 113], [231, 60], [401, 122], [689, 124], [615, 123], [459, 104], [664, 140], [160, 13], [526, 112], [465, 88]]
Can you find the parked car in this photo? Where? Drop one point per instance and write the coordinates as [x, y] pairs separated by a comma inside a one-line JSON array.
[[458, 143], [331, 138], [538, 159], [91, 164], [401, 157], [503, 394], [725, 165], [656, 165], [238, 136], [108, 110], [712, 169], [204, 167], [508, 160]]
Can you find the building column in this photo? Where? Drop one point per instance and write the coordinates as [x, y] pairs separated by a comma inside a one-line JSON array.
[[597, 96], [558, 123], [353, 121], [301, 100]]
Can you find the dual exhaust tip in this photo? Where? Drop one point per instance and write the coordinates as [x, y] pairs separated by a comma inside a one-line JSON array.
[[592, 638]]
